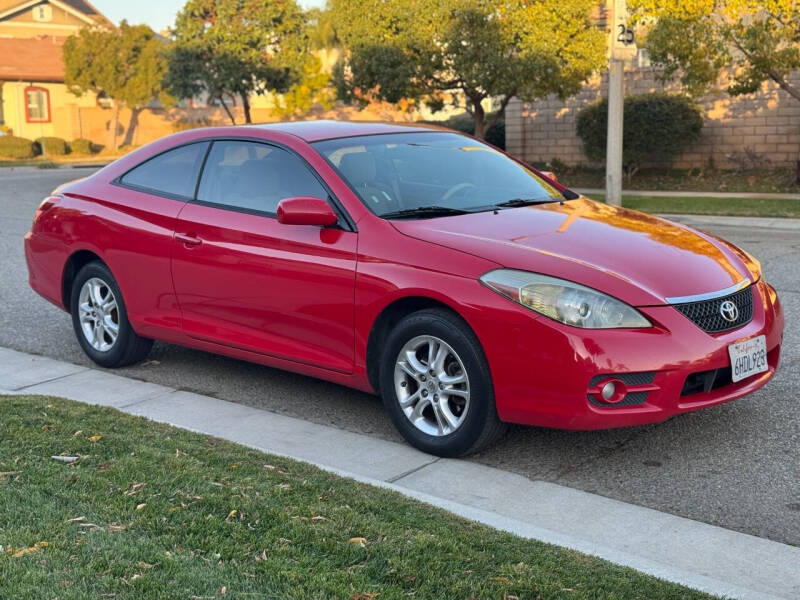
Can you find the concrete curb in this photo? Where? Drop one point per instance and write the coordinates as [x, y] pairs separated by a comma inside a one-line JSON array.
[[698, 555], [683, 194]]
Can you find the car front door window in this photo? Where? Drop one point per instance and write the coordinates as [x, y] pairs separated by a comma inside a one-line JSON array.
[[254, 177]]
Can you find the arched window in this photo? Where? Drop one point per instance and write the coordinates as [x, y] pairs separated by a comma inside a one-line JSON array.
[[37, 105]]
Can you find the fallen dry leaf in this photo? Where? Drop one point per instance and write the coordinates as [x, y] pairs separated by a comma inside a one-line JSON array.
[[95, 438], [364, 596], [77, 433], [76, 520], [223, 590], [116, 528], [135, 488], [141, 506], [25, 552], [358, 540], [319, 518]]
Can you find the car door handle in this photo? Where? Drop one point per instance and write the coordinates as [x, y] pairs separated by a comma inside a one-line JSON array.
[[188, 239]]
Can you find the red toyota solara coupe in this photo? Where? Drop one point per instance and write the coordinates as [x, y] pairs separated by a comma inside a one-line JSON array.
[[465, 287]]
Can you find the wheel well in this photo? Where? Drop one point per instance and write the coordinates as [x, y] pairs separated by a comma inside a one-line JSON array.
[[74, 264], [385, 322]]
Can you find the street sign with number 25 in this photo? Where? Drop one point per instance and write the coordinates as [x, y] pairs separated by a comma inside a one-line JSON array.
[[622, 44]]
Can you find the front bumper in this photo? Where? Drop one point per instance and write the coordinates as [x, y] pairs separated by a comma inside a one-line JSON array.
[[543, 371]]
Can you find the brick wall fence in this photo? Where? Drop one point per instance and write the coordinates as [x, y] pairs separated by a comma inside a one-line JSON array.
[[761, 129]]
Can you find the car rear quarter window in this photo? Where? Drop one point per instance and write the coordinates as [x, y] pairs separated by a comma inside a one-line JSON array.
[[254, 177], [171, 173]]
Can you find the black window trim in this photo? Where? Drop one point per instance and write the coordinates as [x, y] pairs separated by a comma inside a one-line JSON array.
[[345, 221]]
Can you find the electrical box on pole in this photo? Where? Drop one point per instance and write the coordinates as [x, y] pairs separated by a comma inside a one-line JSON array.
[[621, 48]]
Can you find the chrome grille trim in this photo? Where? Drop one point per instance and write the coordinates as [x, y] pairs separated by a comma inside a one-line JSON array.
[[709, 295]]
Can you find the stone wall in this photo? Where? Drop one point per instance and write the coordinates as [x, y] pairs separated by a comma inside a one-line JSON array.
[[761, 129]]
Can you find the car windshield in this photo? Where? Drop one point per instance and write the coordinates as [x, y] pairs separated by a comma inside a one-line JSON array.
[[429, 174]]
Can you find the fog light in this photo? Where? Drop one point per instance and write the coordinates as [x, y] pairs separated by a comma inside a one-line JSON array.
[[608, 391]]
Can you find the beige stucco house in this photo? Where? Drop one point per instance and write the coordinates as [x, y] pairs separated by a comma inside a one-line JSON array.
[[34, 101]]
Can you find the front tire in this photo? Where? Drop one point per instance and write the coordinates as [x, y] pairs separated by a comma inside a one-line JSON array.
[[436, 385], [101, 321]]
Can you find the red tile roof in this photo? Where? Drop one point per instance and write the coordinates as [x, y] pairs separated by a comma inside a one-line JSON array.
[[33, 59]]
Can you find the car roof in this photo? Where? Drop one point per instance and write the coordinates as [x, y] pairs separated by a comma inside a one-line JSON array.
[[323, 129]]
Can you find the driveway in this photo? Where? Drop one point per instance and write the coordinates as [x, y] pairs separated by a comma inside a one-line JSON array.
[[735, 465]]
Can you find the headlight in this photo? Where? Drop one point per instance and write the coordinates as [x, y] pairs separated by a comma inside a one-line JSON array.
[[564, 301]]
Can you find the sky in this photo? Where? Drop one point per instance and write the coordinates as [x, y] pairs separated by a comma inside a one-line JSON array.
[[159, 14]]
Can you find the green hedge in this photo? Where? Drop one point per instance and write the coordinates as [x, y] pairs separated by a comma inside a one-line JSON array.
[[81, 146], [17, 147], [52, 146], [656, 128], [464, 123]]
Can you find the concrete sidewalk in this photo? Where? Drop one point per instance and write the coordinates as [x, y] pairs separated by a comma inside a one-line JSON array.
[[695, 554], [701, 221], [690, 194]]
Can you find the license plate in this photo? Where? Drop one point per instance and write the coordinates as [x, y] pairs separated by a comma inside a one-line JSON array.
[[748, 357]]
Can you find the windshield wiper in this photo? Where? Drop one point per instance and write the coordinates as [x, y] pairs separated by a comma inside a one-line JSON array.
[[424, 211], [515, 202]]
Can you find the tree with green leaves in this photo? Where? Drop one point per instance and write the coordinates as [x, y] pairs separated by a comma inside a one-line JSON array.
[[126, 64], [236, 48], [480, 49], [696, 40]]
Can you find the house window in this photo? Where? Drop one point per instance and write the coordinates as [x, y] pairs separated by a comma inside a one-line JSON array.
[[103, 101], [37, 105], [43, 13]]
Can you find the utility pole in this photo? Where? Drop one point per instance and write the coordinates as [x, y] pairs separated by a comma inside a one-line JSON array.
[[622, 47], [616, 93]]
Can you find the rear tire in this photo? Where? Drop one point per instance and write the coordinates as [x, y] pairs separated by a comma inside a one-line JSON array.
[[101, 321], [437, 387]]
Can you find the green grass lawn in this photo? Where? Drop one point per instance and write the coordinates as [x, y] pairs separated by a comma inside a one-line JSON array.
[[740, 207], [150, 511], [702, 179]]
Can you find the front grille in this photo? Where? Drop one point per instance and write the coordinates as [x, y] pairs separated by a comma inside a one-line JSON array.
[[707, 381], [707, 316]]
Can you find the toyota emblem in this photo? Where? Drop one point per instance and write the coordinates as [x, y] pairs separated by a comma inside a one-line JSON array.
[[729, 311]]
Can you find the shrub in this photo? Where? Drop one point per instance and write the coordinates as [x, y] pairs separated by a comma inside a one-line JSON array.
[[17, 147], [464, 123], [52, 146], [82, 146], [656, 128]]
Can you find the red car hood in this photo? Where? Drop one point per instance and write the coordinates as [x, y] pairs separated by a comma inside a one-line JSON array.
[[639, 258]]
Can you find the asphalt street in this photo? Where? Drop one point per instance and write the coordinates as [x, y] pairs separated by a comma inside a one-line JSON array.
[[735, 465]]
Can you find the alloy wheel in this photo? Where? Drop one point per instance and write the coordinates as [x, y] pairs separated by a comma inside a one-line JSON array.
[[432, 386], [99, 314]]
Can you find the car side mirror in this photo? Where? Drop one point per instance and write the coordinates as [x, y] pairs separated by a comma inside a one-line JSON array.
[[550, 175], [306, 210]]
